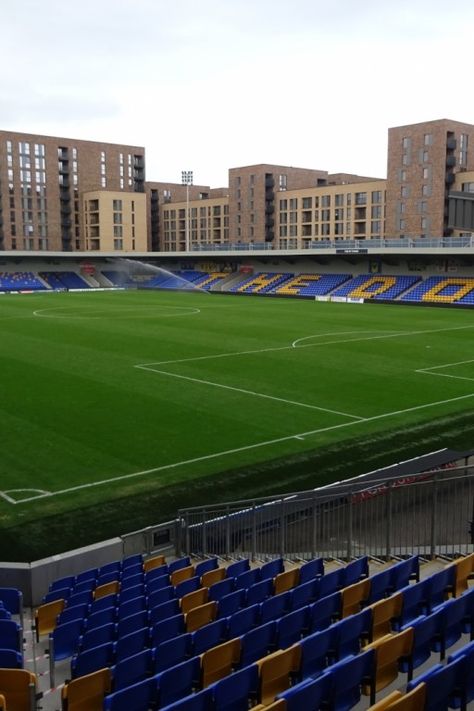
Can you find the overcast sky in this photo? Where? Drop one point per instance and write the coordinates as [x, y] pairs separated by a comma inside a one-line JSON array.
[[206, 85]]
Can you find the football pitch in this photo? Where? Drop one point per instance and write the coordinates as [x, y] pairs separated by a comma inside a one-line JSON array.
[[118, 407]]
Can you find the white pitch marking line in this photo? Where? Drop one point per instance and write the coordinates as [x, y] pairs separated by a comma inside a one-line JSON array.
[[307, 345], [247, 447], [428, 371], [248, 392]]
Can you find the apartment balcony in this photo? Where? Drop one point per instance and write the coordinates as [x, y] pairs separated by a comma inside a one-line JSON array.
[[451, 144], [269, 181], [450, 161], [449, 178], [269, 207]]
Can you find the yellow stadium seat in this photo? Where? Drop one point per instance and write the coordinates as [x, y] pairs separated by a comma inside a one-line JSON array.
[[154, 562], [194, 599], [182, 574], [217, 662], [383, 612], [18, 688], [286, 581], [212, 576], [45, 617], [3, 703], [354, 596], [275, 706], [388, 651], [386, 702], [413, 701], [87, 692], [108, 589], [200, 616], [463, 570], [274, 672]]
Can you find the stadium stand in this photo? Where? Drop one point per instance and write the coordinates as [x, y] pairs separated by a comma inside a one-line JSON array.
[[280, 650], [370, 286], [261, 283], [447, 290], [17, 281], [64, 280], [311, 284]]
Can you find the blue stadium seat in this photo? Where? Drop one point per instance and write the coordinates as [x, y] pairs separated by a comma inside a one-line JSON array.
[[98, 635], [97, 619], [89, 574], [92, 659], [206, 565], [304, 594], [10, 659], [247, 579], [414, 604], [131, 607], [465, 692], [234, 691], [132, 643], [66, 582], [155, 580], [103, 603], [186, 586], [139, 697], [349, 634], [132, 669], [354, 571], [244, 620], [272, 568], [209, 636], [178, 564], [200, 701], [131, 592], [258, 592], [228, 604], [235, 569], [348, 677], [290, 627], [311, 569], [177, 681], [274, 607], [442, 684], [80, 598], [324, 612], [130, 624], [257, 643], [403, 572], [172, 652], [167, 629], [220, 589], [131, 561], [437, 587], [380, 585], [10, 635], [330, 583], [77, 612], [317, 651], [426, 633], [159, 596], [309, 694], [164, 610], [133, 575], [57, 594]]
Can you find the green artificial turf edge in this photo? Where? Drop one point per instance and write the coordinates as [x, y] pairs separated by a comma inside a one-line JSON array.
[[32, 540]]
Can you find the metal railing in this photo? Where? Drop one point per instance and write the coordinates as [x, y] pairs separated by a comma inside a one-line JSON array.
[[429, 514], [362, 245]]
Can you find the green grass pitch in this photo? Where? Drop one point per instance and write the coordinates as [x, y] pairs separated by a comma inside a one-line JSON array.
[[118, 407]]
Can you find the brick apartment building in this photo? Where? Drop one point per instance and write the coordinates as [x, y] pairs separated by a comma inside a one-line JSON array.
[[59, 194], [44, 187]]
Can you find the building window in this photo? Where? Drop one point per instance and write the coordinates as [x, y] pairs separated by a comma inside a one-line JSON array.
[[325, 215], [424, 223], [339, 200], [282, 182], [377, 196], [325, 201], [467, 187], [405, 191], [118, 244], [293, 203], [425, 156], [403, 176], [361, 198], [463, 140], [117, 205], [401, 224], [428, 139], [426, 190], [406, 142], [375, 227], [426, 173], [376, 212], [307, 203]]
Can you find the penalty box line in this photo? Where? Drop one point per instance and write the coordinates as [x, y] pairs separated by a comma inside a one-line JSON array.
[[247, 392], [257, 445]]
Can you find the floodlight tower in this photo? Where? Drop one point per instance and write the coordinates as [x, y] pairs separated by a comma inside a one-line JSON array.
[[187, 179]]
